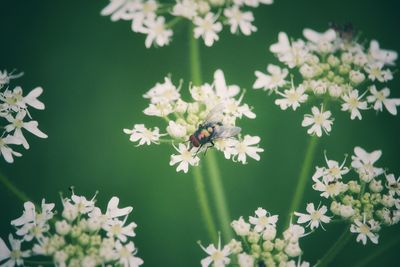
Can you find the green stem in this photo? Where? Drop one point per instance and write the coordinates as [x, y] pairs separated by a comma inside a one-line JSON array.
[[335, 249], [304, 176], [219, 196], [377, 253], [212, 166], [194, 56], [39, 263], [13, 189], [204, 205]]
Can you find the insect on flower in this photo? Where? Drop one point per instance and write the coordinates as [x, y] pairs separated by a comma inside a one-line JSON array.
[[212, 129]]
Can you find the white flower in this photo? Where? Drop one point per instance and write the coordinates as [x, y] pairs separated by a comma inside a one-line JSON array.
[[240, 227], [387, 57], [316, 37], [223, 90], [28, 216], [294, 233], [185, 8], [292, 263], [294, 54], [375, 71], [159, 109], [364, 162], [320, 120], [126, 255], [82, 205], [245, 260], [15, 255], [393, 185], [329, 188], [262, 220], [156, 32], [365, 231], [116, 228], [163, 92], [292, 98], [5, 77], [240, 20], [6, 151], [119, 9], [271, 81], [322, 41], [207, 28], [216, 256], [353, 103], [185, 158], [143, 135], [381, 97], [176, 130], [333, 171], [314, 217], [246, 147], [16, 125]]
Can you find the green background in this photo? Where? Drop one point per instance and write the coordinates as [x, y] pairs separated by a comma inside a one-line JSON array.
[[94, 73]]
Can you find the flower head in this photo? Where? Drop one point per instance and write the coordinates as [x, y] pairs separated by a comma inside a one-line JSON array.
[[330, 68], [14, 110], [157, 20], [193, 126], [80, 235]]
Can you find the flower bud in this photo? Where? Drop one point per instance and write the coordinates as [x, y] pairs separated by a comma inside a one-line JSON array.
[[268, 246], [279, 244], [176, 130], [62, 227], [269, 233], [356, 77], [293, 249], [376, 186]]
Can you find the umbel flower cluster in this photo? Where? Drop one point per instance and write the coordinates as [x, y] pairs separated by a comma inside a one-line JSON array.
[[157, 20], [184, 117], [15, 116], [367, 203], [257, 244], [329, 68], [81, 236]]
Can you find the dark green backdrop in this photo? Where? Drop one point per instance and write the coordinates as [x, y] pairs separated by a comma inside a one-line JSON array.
[[94, 73]]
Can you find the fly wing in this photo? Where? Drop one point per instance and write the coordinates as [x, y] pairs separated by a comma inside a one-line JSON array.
[[223, 132], [215, 115]]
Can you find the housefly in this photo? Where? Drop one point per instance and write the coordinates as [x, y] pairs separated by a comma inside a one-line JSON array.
[[212, 129]]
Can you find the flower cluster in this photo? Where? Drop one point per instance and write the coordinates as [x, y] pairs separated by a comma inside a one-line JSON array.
[[16, 117], [332, 67], [210, 116], [258, 245], [367, 203], [157, 20], [81, 236]]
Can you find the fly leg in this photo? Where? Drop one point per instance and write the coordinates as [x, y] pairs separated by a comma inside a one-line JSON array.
[[212, 145]]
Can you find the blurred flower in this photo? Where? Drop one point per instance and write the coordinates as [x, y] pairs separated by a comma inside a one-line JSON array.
[[217, 256], [258, 244], [15, 114], [84, 238], [328, 68], [157, 19]]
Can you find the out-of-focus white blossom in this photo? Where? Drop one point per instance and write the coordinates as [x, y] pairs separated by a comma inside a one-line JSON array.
[[157, 19]]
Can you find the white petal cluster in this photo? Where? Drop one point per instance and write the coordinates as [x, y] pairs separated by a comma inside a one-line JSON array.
[[366, 203], [258, 244], [156, 19], [15, 116], [330, 67], [80, 235], [183, 118]]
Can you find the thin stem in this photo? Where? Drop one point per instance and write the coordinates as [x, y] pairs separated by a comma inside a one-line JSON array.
[[204, 205], [13, 189], [377, 253], [219, 196], [194, 55], [304, 176], [335, 249], [211, 161]]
